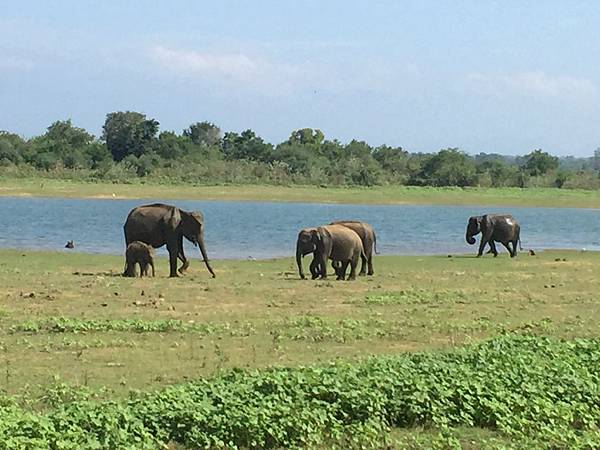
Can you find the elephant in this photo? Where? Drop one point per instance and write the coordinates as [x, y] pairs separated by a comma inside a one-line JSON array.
[[336, 242], [369, 242], [138, 253], [159, 224], [304, 246], [501, 228]]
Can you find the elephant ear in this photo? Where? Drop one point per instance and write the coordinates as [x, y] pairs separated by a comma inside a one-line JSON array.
[[198, 217], [325, 240], [316, 236], [485, 223], [173, 218]]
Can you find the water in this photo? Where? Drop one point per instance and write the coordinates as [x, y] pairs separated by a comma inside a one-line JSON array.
[[262, 229]]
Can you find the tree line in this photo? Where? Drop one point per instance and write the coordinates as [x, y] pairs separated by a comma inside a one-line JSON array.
[[132, 147]]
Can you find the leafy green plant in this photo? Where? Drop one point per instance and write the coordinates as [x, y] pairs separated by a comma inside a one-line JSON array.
[[536, 390]]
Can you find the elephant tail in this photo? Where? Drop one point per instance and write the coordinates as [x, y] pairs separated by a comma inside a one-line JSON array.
[[375, 243]]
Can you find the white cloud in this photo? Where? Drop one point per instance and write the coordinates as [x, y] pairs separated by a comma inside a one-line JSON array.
[[233, 70], [534, 83], [272, 77], [187, 62]]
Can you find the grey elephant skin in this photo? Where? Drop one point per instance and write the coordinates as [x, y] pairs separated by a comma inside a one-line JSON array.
[[138, 253], [159, 224], [335, 242], [502, 228], [369, 241], [305, 246]]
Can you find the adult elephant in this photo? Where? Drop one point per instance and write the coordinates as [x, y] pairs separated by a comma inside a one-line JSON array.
[[335, 242], [369, 242], [501, 228], [159, 224]]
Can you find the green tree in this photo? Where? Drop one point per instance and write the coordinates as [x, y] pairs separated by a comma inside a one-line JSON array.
[[172, 146], [539, 163], [449, 167], [357, 149], [62, 143], [63, 135], [96, 154], [306, 136], [247, 146], [203, 133], [394, 161], [12, 148], [501, 174], [332, 150], [129, 133], [561, 178]]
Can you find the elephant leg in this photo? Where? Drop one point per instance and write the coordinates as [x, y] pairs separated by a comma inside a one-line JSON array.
[[315, 270], [182, 257], [341, 271], [370, 263], [322, 261], [173, 252], [514, 246], [363, 265], [510, 252], [493, 248], [337, 267], [152, 266], [481, 247], [353, 264]]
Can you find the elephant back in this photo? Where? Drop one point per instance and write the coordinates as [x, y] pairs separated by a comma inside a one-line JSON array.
[[345, 242], [363, 229]]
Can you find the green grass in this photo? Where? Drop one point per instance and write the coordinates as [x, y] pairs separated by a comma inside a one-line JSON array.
[[373, 195], [71, 317]]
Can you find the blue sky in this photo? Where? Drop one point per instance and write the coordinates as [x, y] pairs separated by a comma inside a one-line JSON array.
[[505, 76]]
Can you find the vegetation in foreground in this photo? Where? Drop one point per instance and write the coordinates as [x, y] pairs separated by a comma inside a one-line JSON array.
[[132, 148], [537, 391], [148, 360]]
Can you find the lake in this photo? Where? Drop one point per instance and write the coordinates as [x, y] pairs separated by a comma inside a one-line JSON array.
[[239, 230]]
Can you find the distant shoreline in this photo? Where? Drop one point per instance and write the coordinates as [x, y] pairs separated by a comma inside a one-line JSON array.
[[376, 195]]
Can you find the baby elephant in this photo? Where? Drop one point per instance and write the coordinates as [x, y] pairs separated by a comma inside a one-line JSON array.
[[138, 253]]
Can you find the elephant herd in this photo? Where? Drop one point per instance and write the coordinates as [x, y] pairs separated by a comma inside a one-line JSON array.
[[343, 242]]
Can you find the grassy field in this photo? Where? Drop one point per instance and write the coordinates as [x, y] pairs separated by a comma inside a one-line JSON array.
[[70, 317], [373, 195]]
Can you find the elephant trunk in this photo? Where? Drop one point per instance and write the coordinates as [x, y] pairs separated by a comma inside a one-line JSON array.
[[299, 262], [205, 256], [470, 239]]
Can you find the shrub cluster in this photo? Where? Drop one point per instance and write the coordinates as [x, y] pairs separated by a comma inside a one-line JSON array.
[[132, 147], [541, 392]]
